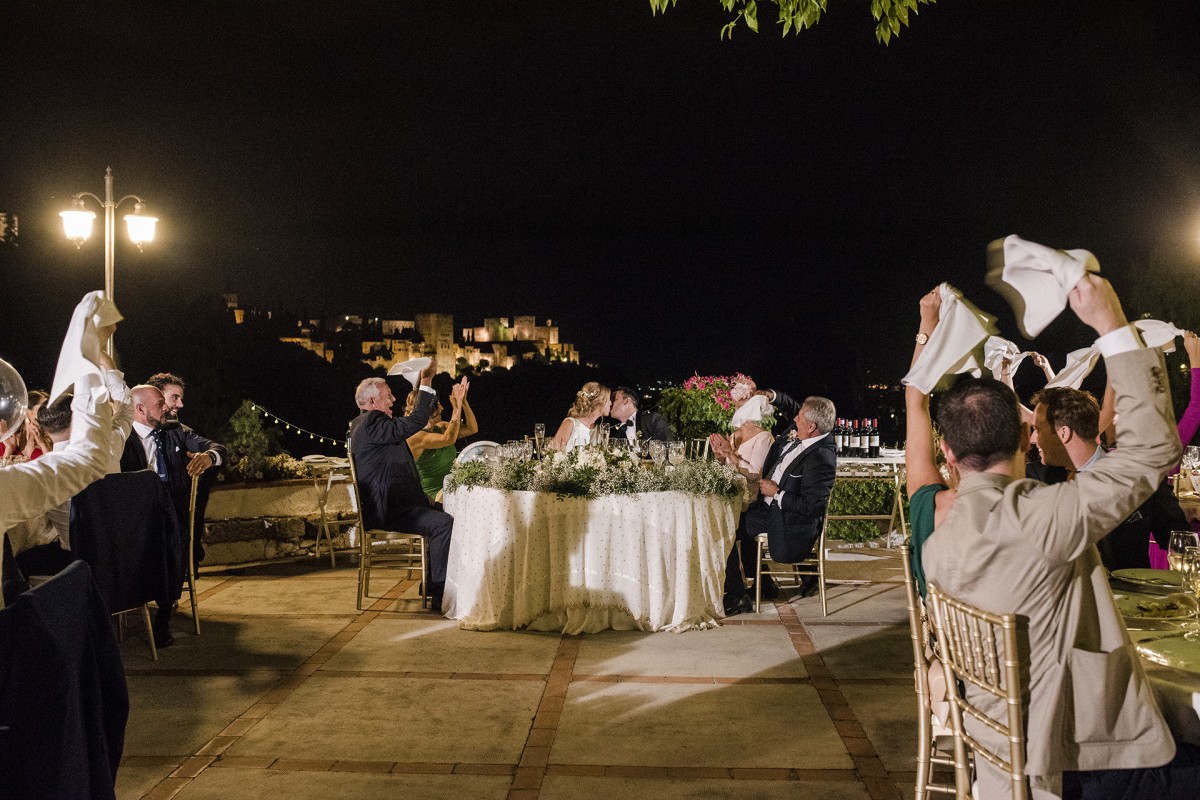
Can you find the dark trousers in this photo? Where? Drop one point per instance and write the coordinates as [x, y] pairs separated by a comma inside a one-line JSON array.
[[45, 559], [1177, 780], [435, 527], [744, 555]]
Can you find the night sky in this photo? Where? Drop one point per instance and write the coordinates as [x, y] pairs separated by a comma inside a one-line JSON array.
[[676, 203]]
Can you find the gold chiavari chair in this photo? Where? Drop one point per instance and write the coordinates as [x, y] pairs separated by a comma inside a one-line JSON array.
[[990, 653], [190, 577], [377, 547], [934, 742]]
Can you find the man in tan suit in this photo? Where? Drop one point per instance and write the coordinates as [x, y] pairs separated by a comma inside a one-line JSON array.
[[1015, 545]]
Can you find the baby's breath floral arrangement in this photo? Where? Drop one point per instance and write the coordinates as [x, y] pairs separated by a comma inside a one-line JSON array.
[[592, 472]]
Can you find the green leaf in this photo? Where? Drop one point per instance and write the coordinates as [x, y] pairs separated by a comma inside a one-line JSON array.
[[750, 14]]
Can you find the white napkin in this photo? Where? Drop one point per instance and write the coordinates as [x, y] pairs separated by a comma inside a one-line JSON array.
[[80, 354], [1080, 364], [997, 350], [1156, 333], [955, 344], [411, 370], [753, 410], [1035, 280]]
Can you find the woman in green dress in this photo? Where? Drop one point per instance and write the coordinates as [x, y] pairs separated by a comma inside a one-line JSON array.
[[433, 446]]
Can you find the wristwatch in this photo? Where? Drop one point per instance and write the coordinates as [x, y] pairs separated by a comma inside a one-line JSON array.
[[922, 338]]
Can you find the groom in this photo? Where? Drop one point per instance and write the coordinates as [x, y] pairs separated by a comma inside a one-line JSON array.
[[797, 479]]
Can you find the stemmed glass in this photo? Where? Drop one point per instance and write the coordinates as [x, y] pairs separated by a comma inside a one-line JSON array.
[[1191, 586], [676, 453], [539, 438], [658, 452], [1177, 547]]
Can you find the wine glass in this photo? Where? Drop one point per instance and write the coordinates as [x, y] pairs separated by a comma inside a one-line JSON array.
[[1177, 547], [676, 453], [658, 452], [539, 438]]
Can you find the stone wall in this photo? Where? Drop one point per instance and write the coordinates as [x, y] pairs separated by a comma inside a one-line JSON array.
[[277, 519]]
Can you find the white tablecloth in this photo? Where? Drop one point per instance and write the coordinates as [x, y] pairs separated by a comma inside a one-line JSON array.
[[653, 561]]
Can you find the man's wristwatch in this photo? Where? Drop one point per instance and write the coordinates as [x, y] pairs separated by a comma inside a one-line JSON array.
[[922, 338]]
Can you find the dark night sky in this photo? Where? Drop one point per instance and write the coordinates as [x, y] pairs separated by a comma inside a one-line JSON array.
[[676, 203]]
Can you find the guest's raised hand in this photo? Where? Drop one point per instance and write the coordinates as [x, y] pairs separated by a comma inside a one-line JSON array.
[[1044, 364], [1191, 343], [427, 374], [466, 384], [1096, 304]]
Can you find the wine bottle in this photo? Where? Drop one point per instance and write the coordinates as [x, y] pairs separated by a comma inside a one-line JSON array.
[[839, 436], [874, 445], [855, 439]]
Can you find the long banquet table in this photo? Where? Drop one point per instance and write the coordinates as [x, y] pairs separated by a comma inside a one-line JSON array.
[[1176, 685], [653, 561]]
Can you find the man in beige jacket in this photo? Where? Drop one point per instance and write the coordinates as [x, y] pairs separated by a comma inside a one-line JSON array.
[[1015, 545]]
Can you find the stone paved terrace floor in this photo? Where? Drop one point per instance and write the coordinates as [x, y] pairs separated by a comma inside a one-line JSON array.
[[291, 692]]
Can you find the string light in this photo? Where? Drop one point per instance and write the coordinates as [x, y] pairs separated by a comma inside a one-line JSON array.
[[288, 426]]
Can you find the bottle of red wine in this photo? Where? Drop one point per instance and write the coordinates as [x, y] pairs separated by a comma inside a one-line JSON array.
[[855, 438], [839, 437], [874, 443]]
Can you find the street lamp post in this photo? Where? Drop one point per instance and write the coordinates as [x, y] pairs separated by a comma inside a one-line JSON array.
[[77, 224]]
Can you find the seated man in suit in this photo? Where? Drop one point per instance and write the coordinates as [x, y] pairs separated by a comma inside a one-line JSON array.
[[172, 387], [1066, 425], [798, 477], [392, 498], [632, 424], [1011, 545], [184, 453]]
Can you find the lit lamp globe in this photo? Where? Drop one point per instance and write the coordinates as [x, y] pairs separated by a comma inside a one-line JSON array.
[[77, 223], [141, 227]]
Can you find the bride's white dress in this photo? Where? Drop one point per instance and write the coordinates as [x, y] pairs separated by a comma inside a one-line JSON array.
[[580, 435]]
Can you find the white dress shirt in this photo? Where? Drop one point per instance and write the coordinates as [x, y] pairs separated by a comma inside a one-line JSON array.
[[782, 467]]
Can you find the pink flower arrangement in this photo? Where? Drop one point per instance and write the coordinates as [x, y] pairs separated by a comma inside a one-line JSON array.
[[702, 404]]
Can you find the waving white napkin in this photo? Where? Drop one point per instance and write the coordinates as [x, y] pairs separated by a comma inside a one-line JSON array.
[[80, 354], [955, 344], [1080, 364], [1156, 333], [753, 410], [411, 370], [997, 350], [1035, 280]]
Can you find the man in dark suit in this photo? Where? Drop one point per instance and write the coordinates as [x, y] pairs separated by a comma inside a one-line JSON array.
[[184, 453], [392, 498], [797, 478], [631, 423], [175, 453]]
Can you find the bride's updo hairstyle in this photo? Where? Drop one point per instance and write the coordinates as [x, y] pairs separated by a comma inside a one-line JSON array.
[[592, 396]]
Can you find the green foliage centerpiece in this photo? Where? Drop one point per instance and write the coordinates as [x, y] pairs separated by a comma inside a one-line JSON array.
[[593, 471], [701, 405]]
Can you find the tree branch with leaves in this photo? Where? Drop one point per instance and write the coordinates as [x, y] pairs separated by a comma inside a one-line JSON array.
[[797, 15]]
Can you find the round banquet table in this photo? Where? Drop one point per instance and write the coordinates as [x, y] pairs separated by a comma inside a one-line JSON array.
[[652, 561]]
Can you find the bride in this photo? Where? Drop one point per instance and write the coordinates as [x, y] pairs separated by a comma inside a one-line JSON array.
[[591, 402]]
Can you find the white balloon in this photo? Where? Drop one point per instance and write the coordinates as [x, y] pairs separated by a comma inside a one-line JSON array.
[[14, 400]]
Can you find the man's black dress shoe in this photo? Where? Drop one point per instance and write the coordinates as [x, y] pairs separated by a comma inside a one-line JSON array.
[[809, 586], [770, 589], [163, 639], [742, 604]]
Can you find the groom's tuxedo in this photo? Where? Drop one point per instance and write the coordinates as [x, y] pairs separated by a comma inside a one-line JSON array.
[[648, 426]]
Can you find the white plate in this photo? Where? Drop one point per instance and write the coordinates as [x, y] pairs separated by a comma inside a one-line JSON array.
[[1128, 606], [1178, 652], [476, 451], [315, 459], [1164, 579]]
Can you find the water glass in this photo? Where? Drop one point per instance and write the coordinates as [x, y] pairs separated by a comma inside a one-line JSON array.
[[676, 452], [658, 452], [1178, 545], [539, 438], [1191, 571], [1191, 457]]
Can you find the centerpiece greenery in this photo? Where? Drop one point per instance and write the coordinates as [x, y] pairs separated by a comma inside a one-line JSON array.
[[254, 455], [592, 472], [701, 405]]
